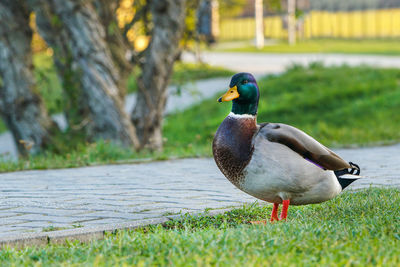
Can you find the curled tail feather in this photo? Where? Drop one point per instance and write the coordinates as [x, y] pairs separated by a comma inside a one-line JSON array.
[[351, 174]]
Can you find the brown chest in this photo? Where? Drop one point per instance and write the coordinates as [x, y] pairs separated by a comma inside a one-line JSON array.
[[232, 146]]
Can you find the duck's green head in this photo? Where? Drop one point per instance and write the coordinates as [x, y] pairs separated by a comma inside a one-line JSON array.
[[243, 93]]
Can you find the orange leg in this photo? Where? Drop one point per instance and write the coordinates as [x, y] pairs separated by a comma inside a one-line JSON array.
[[285, 206], [274, 214]]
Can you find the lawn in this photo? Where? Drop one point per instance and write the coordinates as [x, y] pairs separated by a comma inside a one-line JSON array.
[[359, 228], [339, 106], [2, 126], [365, 46]]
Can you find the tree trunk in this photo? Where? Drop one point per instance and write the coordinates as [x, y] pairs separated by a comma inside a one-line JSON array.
[[215, 18], [121, 50], [292, 22], [168, 21], [93, 67], [50, 29], [259, 17], [21, 107]]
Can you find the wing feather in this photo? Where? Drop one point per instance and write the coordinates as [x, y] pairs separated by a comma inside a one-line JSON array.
[[303, 144]]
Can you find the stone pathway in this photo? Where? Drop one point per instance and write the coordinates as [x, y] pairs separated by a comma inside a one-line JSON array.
[[263, 63], [31, 201], [36, 201]]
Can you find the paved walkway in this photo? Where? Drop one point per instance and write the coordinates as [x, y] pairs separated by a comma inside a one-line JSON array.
[[36, 201], [263, 63]]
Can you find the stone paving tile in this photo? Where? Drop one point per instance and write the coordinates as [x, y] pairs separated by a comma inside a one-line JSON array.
[[8, 214], [33, 200], [40, 225], [109, 215], [9, 230], [10, 221], [39, 217], [44, 211], [104, 221]]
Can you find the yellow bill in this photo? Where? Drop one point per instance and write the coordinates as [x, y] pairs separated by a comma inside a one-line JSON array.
[[231, 94]]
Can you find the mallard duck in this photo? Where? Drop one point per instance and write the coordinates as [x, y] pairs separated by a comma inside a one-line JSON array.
[[275, 162]]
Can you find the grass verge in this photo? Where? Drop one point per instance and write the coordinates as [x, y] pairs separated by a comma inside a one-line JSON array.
[[365, 46], [3, 127], [354, 229], [339, 106]]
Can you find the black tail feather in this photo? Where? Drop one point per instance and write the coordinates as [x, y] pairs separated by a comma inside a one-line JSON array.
[[355, 169], [345, 182]]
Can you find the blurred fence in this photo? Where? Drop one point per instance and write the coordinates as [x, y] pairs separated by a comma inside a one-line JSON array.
[[384, 23]]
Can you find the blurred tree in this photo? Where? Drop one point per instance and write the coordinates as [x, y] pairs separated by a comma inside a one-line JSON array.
[[52, 31], [208, 21], [168, 18], [291, 21], [78, 39], [21, 107], [259, 19], [91, 54], [121, 49], [204, 21]]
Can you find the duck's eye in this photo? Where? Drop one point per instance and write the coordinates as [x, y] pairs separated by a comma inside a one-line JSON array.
[[245, 81]]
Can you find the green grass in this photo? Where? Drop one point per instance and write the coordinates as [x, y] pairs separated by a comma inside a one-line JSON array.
[[365, 46], [101, 152], [3, 127], [354, 229], [339, 106]]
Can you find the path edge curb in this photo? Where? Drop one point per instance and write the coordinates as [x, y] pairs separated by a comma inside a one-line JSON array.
[[87, 234]]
